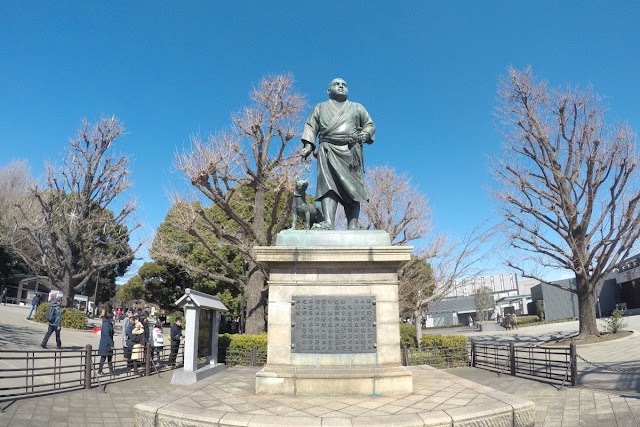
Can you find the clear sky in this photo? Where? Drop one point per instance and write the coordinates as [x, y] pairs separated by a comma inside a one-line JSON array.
[[426, 71]]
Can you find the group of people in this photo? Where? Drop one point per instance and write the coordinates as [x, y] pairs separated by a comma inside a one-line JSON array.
[[508, 321], [137, 335]]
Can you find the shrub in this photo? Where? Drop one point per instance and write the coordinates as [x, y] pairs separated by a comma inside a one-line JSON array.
[[614, 323], [527, 319], [441, 351], [71, 318], [540, 309], [408, 335], [437, 340], [41, 311], [235, 349]]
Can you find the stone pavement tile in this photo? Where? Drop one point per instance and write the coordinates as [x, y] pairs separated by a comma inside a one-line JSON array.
[[354, 410], [336, 422], [317, 411], [274, 421], [455, 401], [390, 409], [235, 419], [410, 410], [606, 420], [408, 420], [19, 423], [335, 405]]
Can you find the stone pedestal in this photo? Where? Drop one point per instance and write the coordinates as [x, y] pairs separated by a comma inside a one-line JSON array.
[[334, 263]]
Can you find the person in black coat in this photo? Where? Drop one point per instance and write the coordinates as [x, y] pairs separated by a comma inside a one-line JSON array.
[[105, 350], [176, 336]]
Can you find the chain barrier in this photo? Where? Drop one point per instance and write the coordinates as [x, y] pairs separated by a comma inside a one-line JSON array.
[[606, 368]]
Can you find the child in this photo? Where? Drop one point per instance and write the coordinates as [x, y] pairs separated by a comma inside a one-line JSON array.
[[158, 341]]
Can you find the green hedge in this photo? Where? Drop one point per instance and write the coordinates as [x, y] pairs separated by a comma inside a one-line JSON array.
[[71, 318], [441, 351], [408, 335], [527, 319], [437, 340], [235, 349], [245, 341]]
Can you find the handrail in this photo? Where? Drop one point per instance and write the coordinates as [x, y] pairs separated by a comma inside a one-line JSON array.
[[36, 372]]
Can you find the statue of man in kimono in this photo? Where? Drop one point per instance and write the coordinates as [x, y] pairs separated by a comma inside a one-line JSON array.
[[341, 127]]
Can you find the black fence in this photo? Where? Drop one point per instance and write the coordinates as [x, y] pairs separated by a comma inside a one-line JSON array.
[[444, 357], [555, 364], [242, 356], [37, 372]]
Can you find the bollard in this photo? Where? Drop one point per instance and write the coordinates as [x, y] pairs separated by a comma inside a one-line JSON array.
[[473, 354], [405, 355], [512, 358], [147, 360], [88, 363], [573, 364], [254, 356]]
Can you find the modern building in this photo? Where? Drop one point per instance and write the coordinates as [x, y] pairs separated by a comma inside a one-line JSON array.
[[561, 303], [628, 280], [22, 288], [458, 306]]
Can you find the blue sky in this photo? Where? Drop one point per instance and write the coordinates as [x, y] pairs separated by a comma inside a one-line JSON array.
[[426, 71]]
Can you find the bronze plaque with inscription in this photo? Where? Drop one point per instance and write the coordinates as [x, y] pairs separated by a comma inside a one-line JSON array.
[[328, 324]]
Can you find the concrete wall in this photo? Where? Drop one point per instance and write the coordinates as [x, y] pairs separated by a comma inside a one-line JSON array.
[[609, 296], [558, 303]]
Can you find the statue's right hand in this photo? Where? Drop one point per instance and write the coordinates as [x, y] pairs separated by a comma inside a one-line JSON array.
[[306, 150]]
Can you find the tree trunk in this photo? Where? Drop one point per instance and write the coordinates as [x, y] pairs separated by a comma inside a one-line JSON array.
[[586, 307], [418, 317], [255, 303]]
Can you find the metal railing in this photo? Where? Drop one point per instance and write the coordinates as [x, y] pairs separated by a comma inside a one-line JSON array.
[[242, 356], [37, 372], [444, 357], [556, 364]]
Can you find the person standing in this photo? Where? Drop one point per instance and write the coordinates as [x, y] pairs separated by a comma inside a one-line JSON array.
[[105, 350], [176, 336], [35, 302], [55, 322], [127, 345], [138, 342], [3, 296], [158, 341]]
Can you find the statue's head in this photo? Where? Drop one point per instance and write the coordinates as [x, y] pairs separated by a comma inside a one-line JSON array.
[[338, 90]]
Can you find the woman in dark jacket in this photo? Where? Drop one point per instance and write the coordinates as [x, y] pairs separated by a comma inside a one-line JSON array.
[[105, 351]]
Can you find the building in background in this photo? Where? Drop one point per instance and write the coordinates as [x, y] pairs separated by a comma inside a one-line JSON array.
[[560, 303], [458, 306], [628, 280]]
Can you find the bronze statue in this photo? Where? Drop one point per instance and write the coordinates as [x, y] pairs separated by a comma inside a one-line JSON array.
[[341, 127]]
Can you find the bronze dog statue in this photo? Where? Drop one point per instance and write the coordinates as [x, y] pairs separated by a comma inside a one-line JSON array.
[[312, 214]]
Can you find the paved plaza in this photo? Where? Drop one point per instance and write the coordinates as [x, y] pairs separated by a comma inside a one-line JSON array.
[[603, 399]]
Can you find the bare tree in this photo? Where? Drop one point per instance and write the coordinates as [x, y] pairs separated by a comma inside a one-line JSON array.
[[439, 263], [65, 229], [569, 184], [483, 300], [450, 262], [15, 183], [247, 174], [396, 206]]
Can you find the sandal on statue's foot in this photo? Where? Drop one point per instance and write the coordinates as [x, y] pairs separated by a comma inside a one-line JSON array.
[[323, 226]]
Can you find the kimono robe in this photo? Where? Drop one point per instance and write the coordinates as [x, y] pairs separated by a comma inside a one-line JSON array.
[[340, 160]]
